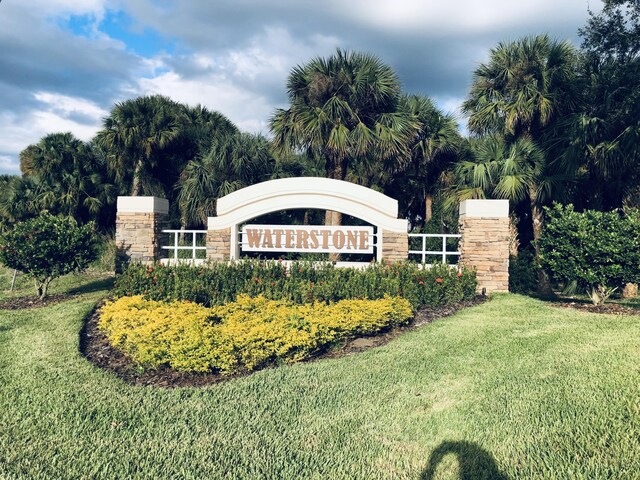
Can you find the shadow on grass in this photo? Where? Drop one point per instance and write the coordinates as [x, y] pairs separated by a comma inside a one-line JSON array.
[[474, 462], [93, 286]]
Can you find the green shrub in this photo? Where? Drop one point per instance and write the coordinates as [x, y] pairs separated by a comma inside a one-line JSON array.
[[599, 250], [242, 335], [106, 253], [523, 277], [47, 247], [302, 282]]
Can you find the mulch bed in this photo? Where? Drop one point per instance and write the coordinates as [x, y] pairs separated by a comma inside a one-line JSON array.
[[607, 308], [33, 301], [96, 348]]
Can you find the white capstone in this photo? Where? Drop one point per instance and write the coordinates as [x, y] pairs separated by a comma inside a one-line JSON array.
[[143, 205], [484, 208]]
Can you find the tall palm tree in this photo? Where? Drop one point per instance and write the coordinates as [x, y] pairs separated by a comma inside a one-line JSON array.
[[434, 148], [232, 163], [203, 126], [524, 88], [135, 134], [344, 109]]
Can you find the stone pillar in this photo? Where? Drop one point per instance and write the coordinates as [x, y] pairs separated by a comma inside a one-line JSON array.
[[139, 224], [395, 246], [484, 225], [630, 290], [219, 245]]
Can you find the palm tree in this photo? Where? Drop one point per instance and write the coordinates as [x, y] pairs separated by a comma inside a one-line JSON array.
[[70, 175], [499, 169], [19, 198], [135, 134], [344, 110], [602, 140], [526, 86], [517, 171], [232, 163], [434, 148], [203, 126]]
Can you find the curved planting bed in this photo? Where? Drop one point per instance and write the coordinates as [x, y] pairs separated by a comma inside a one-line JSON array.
[[210, 323]]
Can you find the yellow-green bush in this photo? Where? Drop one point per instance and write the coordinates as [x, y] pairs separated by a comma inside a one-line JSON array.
[[241, 335]]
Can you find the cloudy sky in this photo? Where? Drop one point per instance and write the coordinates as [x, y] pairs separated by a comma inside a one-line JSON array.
[[63, 63]]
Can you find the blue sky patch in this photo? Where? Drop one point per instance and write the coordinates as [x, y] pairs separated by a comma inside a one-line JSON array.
[[118, 25]]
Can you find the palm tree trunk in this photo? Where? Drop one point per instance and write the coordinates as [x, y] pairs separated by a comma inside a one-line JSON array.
[[544, 285], [336, 170], [514, 242], [428, 207], [335, 218], [135, 188]]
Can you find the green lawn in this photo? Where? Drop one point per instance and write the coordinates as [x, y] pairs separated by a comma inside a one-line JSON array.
[[509, 389]]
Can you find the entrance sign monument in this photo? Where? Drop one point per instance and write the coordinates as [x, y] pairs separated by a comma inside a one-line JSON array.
[[484, 227], [374, 208]]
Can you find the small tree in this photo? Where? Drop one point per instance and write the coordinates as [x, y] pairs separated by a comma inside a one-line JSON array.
[[47, 247], [599, 250]]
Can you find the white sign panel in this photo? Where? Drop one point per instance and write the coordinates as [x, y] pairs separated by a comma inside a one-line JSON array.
[[307, 238]]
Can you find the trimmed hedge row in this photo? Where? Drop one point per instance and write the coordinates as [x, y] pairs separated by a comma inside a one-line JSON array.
[[303, 282], [242, 335], [599, 250]]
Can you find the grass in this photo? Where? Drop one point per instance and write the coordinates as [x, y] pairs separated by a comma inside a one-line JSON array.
[[509, 389], [77, 283]]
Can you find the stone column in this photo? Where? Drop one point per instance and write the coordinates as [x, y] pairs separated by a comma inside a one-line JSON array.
[[395, 246], [218, 244], [139, 224], [484, 225]]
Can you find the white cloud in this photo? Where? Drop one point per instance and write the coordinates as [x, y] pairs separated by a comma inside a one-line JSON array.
[[61, 113], [240, 83], [9, 165], [451, 105], [57, 113], [427, 17], [248, 110], [66, 105], [61, 8]]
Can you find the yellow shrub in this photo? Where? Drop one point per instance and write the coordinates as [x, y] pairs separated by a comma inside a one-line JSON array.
[[244, 334]]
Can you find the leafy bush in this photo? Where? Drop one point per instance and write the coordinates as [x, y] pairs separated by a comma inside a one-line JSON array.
[[523, 276], [302, 282], [599, 250], [242, 335], [47, 247], [106, 253]]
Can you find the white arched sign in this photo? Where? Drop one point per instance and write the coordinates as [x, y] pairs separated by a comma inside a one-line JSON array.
[[314, 193]]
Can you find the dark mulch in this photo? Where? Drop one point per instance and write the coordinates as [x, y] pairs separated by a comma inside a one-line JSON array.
[[32, 301], [607, 308], [95, 346]]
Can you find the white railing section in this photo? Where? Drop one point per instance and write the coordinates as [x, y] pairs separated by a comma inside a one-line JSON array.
[[176, 247], [424, 252]]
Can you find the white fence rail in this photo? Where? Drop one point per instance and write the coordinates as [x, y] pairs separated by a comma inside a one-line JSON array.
[[176, 247], [193, 247], [443, 253]]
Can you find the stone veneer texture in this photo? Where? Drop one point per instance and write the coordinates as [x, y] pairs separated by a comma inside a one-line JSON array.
[[485, 246]]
